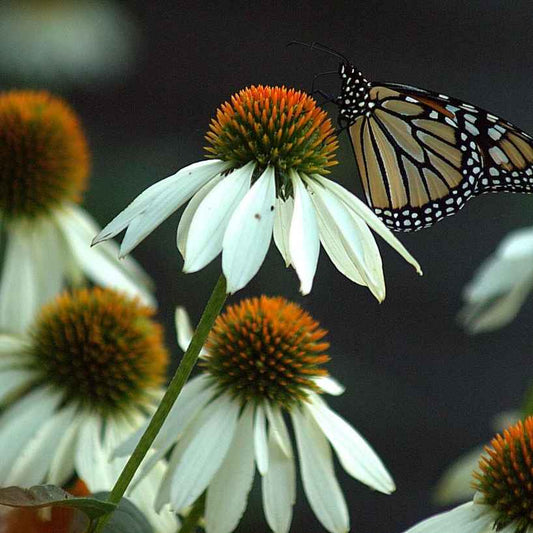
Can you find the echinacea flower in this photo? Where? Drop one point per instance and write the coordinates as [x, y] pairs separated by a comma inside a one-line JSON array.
[[262, 360], [504, 483], [66, 42], [455, 485], [79, 382], [269, 149], [501, 285], [44, 165]]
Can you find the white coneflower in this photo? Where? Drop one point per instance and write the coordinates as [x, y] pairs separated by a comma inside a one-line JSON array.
[[263, 359], [455, 484], [43, 169], [79, 382], [504, 483], [270, 148], [66, 42], [501, 285]]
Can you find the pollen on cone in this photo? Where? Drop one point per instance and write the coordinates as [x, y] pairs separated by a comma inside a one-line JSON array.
[[275, 126], [44, 157]]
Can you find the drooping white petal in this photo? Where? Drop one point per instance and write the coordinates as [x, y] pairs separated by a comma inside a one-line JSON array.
[[188, 213], [143, 495], [278, 485], [177, 189], [455, 484], [163, 494], [330, 385], [369, 217], [467, 518], [347, 240], [320, 484], [19, 287], [278, 429], [184, 329], [260, 440], [194, 396], [12, 380], [12, 345], [91, 460], [49, 255], [100, 264], [62, 464], [211, 434], [228, 491], [282, 225], [355, 454], [209, 223], [304, 242], [34, 460], [249, 232], [21, 422]]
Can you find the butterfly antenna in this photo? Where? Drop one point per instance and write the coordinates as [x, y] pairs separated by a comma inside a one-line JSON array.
[[322, 47]]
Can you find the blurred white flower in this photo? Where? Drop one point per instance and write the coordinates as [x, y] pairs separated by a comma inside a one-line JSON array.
[[455, 484], [74, 386], [272, 147], [43, 170], [262, 359], [72, 42], [501, 285], [504, 483]]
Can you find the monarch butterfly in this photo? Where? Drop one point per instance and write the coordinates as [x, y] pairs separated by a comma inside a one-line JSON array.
[[421, 155]]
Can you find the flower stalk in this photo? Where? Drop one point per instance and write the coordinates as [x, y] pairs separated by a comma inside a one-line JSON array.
[[211, 311]]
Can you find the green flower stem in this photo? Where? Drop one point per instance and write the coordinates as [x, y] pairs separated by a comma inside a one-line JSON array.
[[190, 523], [211, 311]]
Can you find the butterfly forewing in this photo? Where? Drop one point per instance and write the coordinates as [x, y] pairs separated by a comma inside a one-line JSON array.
[[417, 159]]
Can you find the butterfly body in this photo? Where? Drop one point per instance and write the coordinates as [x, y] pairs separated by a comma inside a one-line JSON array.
[[422, 155]]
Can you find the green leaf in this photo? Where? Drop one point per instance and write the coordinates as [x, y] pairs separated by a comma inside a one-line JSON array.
[[126, 519], [49, 496]]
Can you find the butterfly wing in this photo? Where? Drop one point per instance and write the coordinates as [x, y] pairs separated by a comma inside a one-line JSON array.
[[422, 155]]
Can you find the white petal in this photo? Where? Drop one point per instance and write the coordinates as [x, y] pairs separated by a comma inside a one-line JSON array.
[[278, 429], [467, 518], [101, 264], [347, 240], [62, 464], [304, 242], [184, 329], [320, 485], [228, 491], [12, 345], [91, 459], [188, 213], [49, 255], [163, 494], [369, 217], [496, 312], [282, 225], [211, 435], [21, 422], [209, 223], [355, 454], [260, 440], [330, 385], [179, 188], [190, 402], [12, 380], [19, 285], [455, 484], [278, 485], [144, 495], [34, 460], [249, 232]]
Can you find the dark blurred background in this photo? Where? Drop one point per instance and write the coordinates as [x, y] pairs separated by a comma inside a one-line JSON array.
[[419, 388]]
